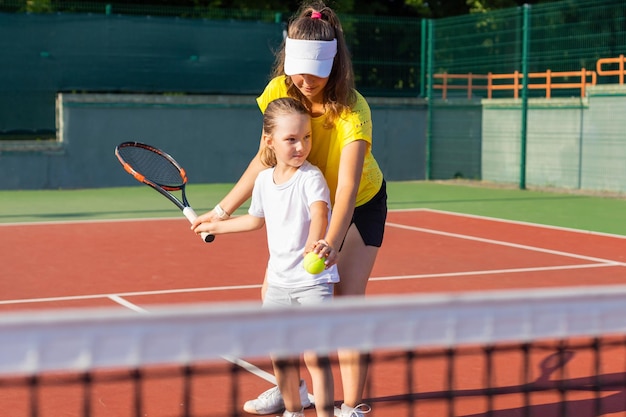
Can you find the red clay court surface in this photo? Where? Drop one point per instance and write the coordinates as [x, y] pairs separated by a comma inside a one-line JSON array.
[[139, 264]]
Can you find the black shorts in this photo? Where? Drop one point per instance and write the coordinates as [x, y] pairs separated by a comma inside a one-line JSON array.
[[370, 218]]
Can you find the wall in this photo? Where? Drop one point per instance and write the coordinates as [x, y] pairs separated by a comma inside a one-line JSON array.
[[553, 139], [213, 137], [571, 143], [456, 131], [603, 165]]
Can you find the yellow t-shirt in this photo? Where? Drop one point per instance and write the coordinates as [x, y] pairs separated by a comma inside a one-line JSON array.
[[353, 125]]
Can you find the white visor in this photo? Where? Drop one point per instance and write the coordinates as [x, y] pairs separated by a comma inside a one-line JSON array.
[[309, 57]]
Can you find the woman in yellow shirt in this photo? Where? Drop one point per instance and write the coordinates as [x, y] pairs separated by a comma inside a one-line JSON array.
[[314, 66]]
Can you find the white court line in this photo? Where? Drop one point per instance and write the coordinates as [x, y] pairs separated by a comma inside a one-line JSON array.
[[237, 287], [248, 366], [129, 294], [95, 221], [451, 213], [255, 370], [519, 222], [503, 243], [492, 272], [128, 304], [600, 263]]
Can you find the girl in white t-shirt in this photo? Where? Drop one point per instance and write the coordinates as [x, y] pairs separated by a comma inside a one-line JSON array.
[[292, 200], [313, 65]]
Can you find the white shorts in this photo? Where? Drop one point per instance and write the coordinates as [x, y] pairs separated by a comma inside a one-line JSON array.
[[280, 296]]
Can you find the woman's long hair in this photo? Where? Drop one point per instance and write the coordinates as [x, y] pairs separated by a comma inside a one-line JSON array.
[[339, 93]]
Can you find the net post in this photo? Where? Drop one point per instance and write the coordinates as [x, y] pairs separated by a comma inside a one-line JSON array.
[[33, 393], [526, 388], [86, 382], [449, 394], [136, 377], [187, 376]]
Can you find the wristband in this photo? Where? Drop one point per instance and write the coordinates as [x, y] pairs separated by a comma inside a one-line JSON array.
[[221, 213]]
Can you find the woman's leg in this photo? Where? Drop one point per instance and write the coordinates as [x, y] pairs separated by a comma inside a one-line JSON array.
[[356, 261]]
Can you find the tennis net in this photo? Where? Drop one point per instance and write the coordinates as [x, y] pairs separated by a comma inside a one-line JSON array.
[[556, 352]]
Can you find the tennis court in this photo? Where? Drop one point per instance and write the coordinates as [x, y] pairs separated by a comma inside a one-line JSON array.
[[140, 265]]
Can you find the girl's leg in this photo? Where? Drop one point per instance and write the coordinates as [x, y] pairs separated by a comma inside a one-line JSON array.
[[356, 261], [323, 386], [287, 372]]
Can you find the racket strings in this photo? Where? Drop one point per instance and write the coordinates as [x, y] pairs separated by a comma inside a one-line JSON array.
[[153, 166]]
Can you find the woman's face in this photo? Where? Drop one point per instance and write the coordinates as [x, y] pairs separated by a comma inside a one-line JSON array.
[[310, 86]]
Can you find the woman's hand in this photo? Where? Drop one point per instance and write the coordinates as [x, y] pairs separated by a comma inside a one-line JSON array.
[[322, 248]]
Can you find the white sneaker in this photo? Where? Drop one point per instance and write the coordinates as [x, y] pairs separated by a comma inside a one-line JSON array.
[[358, 411], [271, 401], [293, 413]]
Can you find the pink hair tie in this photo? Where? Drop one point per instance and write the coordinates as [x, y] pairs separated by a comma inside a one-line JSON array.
[[316, 15]]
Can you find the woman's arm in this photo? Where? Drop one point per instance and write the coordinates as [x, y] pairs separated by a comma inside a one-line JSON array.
[[319, 223], [350, 170], [238, 195]]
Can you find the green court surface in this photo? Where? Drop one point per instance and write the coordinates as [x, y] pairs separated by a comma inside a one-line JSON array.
[[570, 210]]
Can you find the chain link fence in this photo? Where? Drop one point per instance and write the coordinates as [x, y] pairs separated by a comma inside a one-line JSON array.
[[531, 95]]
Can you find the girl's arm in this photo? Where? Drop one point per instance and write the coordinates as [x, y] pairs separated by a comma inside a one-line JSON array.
[[246, 223], [350, 170]]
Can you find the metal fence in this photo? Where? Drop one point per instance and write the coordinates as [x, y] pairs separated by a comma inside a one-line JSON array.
[[386, 50], [559, 46], [528, 90], [396, 56], [503, 88]]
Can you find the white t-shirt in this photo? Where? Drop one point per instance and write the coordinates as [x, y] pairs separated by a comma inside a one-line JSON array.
[[286, 209]]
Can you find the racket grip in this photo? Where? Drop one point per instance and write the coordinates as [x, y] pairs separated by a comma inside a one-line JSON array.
[[191, 215]]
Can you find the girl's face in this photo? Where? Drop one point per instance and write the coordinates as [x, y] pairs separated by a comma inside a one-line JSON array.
[[310, 86], [291, 139]]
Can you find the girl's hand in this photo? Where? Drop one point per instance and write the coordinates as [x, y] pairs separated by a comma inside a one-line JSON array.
[[206, 227]]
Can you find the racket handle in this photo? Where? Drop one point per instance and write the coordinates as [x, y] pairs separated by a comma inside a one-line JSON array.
[[191, 216]]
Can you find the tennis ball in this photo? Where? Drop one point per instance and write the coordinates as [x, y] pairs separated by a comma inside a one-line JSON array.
[[313, 263]]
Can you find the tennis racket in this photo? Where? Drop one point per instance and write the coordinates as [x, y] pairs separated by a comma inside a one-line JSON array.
[[160, 171]]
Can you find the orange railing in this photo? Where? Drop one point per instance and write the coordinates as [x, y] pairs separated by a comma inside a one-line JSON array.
[[551, 80], [620, 72], [445, 86]]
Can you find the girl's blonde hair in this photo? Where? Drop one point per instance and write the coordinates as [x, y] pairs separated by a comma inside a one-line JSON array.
[[339, 93], [275, 109]]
